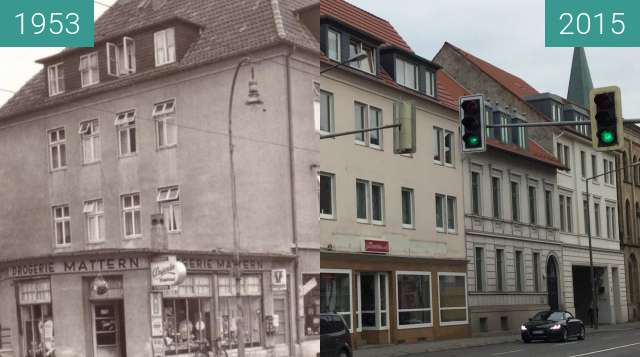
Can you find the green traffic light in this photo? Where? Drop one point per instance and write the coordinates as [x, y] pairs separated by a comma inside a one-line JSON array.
[[473, 140], [607, 137]]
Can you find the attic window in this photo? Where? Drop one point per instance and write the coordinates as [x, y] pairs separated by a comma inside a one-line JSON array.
[[430, 83], [407, 74], [89, 73], [56, 79], [333, 45], [165, 46], [121, 58], [368, 64]]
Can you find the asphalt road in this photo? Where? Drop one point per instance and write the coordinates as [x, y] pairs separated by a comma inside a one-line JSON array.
[[615, 343]]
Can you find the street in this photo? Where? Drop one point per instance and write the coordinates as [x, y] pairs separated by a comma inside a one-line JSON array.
[[624, 342]]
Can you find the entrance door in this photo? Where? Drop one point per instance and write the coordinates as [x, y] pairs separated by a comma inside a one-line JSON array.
[[108, 329], [552, 283], [373, 304]]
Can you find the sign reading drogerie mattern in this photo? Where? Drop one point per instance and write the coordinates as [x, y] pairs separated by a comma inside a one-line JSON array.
[[46, 23], [592, 23], [67, 266]]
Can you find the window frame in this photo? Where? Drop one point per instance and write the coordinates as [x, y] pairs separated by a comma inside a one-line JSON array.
[[479, 261], [398, 310], [367, 199], [496, 197], [330, 111], [57, 80], [167, 44], [500, 267], [412, 206], [58, 144], [62, 220], [163, 116], [516, 214], [93, 73], [332, 178], [94, 221], [131, 210], [382, 203], [380, 122], [90, 135], [174, 205], [406, 66], [535, 266], [533, 203], [448, 200], [338, 39], [519, 270], [126, 122], [350, 312], [476, 202], [430, 82], [466, 300], [361, 46]]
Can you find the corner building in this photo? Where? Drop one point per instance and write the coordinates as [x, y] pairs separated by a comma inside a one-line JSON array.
[[392, 238], [118, 156]]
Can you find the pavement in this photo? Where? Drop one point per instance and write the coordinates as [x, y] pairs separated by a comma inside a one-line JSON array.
[[620, 340]]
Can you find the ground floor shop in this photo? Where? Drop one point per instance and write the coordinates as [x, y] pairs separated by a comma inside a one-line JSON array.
[[609, 282], [631, 255], [106, 306], [390, 300]]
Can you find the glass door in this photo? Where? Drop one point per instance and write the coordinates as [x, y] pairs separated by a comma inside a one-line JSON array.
[[373, 303], [107, 328]]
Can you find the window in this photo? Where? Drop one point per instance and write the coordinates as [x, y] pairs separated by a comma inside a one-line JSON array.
[[585, 214], [611, 222], [479, 265], [583, 164], [333, 45], [596, 218], [563, 155], [326, 112], [335, 289], [607, 166], [594, 166], [515, 201], [533, 205], [566, 219], [414, 299], [500, 269], [446, 211], [496, 195], [121, 59], [367, 64], [89, 73], [132, 227], [90, 135], [375, 120], [430, 82], [62, 225], [451, 214], [407, 74], [377, 203], [519, 271], [57, 149], [452, 297], [166, 126], [248, 304], [327, 195], [56, 79], [36, 317], [517, 134], [360, 111], [556, 112], [94, 221], [165, 46], [536, 272], [126, 127], [475, 193], [548, 207], [373, 307], [362, 192], [169, 200], [407, 208], [437, 145], [496, 118], [448, 147], [440, 213], [443, 146]]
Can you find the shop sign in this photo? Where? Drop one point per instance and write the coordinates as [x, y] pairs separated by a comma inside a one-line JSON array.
[[157, 329], [279, 279], [158, 346], [66, 266], [376, 246], [221, 264], [167, 271]]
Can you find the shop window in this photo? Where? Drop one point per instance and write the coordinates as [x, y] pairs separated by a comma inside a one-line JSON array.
[[414, 299], [187, 315], [335, 289], [36, 318], [311, 305], [452, 292], [251, 300]]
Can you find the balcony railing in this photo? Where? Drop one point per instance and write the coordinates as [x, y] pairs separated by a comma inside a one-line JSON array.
[[488, 225]]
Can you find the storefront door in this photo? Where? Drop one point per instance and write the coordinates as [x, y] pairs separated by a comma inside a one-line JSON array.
[[108, 329], [373, 304]]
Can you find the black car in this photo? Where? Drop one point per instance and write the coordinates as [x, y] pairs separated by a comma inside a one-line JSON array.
[[552, 325], [335, 338]]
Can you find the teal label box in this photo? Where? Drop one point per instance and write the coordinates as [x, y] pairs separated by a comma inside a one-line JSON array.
[[46, 23], [592, 23]]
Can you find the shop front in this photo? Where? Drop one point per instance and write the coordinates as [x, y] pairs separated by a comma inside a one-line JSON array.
[[395, 300]]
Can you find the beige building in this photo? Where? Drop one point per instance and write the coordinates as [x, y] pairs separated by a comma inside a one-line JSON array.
[[392, 235]]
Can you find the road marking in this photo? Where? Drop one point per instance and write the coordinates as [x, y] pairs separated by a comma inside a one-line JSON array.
[[504, 353], [606, 350]]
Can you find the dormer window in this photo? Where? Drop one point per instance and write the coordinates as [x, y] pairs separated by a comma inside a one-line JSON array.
[[165, 46], [430, 83], [368, 64], [407, 74], [556, 112], [56, 79], [333, 45], [89, 73], [121, 59]]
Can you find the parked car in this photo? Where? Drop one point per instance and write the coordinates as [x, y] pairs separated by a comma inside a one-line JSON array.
[[335, 338], [552, 325]]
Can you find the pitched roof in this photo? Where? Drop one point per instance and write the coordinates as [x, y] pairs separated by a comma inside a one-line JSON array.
[[229, 28], [512, 83], [363, 20]]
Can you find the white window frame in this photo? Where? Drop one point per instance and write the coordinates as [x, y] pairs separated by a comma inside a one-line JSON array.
[[126, 122], [367, 202], [382, 203], [55, 75], [404, 68], [476, 171], [496, 203], [93, 73], [455, 213], [90, 137], [330, 112], [338, 39], [372, 109], [438, 145], [413, 208], [448, 148], [162, 113], [61, 220], [342, 313], [169, 199], [378, 312], [466, 301], [58, 144], [443, 199], [131, 210], [93, 211], [360, 46], [430, 81], [332, 177], [398, 310], [164, 46]]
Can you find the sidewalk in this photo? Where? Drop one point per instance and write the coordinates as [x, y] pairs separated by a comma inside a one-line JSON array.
[[434, 346]]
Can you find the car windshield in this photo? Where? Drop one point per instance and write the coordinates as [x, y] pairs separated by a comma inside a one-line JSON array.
[[548, 316]]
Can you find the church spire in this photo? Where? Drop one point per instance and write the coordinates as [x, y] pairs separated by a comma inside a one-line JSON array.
[[580, 80]]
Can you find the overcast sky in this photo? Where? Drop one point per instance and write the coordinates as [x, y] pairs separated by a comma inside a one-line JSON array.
[[509, 34]]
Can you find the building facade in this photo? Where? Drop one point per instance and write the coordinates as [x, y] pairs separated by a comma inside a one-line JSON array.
[[392, 238], [118, 166]]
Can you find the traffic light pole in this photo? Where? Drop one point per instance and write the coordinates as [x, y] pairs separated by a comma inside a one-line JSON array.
[[335, 135]]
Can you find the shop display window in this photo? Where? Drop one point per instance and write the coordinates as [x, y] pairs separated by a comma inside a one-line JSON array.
[[36, 318], [311, 304], [414, 299], [250, 301], [335, 290]]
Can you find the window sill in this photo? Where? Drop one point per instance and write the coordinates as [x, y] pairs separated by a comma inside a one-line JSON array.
[[174, 233], [55, 94], [96, 243], [454, 323], [137, 237], [89, 85], [166, 147], [378, 223], [440, 230], [164, 64], [362, 221], [128, 155], [62, 246], [58, 169], [91, 163], [405, 226], [455, 232], [328, 218], [406, 327]]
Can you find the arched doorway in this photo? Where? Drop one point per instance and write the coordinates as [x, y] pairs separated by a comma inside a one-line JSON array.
[[552, 283]]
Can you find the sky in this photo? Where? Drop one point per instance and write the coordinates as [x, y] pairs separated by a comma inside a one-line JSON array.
[[507, 33]]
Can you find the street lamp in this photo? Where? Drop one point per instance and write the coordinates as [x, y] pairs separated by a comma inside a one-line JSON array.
[[252, 100], [355, 58]]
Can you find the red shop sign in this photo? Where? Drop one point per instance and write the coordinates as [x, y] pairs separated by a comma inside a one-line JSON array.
[[376, 246]]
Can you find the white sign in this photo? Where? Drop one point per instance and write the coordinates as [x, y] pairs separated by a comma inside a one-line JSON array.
[[167, 271], [157, 328], [279, 279], [309, 285]]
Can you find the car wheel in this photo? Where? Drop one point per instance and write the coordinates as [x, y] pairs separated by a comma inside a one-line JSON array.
[[582, 333], [564, 336]]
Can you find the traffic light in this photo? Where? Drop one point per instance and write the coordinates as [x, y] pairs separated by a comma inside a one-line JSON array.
[[472, 125], [404, 136], [606, 118]]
